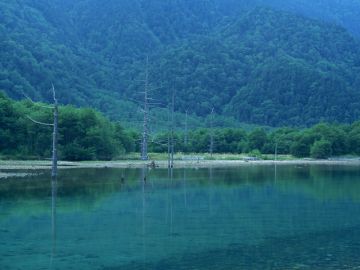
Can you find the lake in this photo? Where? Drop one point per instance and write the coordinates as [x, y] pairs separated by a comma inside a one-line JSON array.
[[250, 217]]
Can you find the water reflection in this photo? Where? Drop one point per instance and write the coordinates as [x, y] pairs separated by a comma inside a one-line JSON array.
[[90, 187], [182, 218], [184, 185], [275, 173], [170, 199], [143, 181], [53, 220]]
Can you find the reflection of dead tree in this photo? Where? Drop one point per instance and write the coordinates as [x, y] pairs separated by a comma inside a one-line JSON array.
[[53, 219], [143, 217], [186, 130], [54, 158], [185, 192]]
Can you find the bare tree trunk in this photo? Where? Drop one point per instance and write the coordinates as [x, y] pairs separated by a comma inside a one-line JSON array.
[[211, 132], [55, 137], [172, 128], [144, 146], [168, 140], [54, 159], [186, 131]]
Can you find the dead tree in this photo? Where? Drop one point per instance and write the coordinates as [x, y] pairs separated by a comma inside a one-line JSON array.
[[172, 127], [212, 132], [186, 130], [145, 135], [55, 135], [146, 103], [54, 159], [168, 140], [144, 144]]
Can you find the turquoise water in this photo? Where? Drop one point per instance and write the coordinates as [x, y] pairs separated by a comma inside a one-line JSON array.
[[255, 217]]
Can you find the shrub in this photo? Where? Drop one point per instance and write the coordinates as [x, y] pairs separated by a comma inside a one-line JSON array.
[[321, 149]]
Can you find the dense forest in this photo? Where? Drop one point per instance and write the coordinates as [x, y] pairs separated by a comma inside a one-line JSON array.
[[265, 73], [84, 134], [87, 135], [320, 141], [271, 63]]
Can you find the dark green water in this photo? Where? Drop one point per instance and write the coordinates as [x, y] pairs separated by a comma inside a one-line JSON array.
[[294, 217]]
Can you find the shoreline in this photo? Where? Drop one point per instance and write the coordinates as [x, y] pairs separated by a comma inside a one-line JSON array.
[[20, 169], [10, 165]]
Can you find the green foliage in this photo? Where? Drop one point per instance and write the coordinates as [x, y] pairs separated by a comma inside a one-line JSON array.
[[345, 13], [256, 153], [257, 139], [254, 65], [8, 125], [321, 149], [84, 134], [258, 71], [300, 149], [320, 141]]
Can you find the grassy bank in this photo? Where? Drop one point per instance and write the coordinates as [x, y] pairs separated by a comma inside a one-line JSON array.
[[9, 167], [204, 156]]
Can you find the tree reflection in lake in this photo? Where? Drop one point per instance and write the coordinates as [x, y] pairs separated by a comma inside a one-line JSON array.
[[53, 220], [249, 217]]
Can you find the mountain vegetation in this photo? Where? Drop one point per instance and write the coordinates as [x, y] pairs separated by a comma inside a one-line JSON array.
[[257, 70], [86, 134], [271, 62]]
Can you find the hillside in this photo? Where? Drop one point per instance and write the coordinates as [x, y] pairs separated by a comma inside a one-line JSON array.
[[266, 68], [345, 13], [254, 64]]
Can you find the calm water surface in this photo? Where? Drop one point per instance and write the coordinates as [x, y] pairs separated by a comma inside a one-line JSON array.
[[255, 217]]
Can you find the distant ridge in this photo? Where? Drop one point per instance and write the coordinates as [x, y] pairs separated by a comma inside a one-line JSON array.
[[250, 61]]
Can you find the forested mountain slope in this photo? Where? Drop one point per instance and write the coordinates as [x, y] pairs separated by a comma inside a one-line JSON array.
[[256, 64], [344, 12], [266, 68], [34, 53]]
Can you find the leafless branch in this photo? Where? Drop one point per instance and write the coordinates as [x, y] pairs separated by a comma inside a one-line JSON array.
[[156, 88], [40, 123], [132, 100], [159, 143], [37, 104]]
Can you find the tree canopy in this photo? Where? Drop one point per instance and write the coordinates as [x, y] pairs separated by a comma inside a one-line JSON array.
[[273, 63], [84, 134]]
